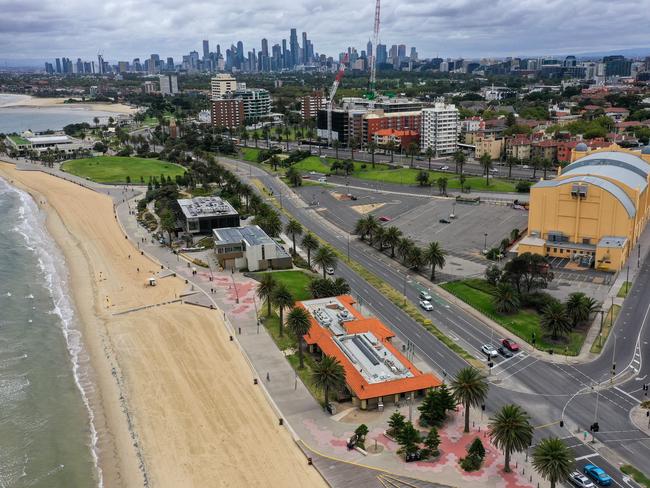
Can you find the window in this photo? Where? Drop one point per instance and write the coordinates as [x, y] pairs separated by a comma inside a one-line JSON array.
[[548, 249], [586, 240], [555, 249], [561, 251]]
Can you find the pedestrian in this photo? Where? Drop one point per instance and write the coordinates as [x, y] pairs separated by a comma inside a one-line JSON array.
[[138, 269], [268, 376]]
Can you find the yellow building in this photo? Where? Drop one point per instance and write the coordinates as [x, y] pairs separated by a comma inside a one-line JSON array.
[[488, 145], [594, 211]]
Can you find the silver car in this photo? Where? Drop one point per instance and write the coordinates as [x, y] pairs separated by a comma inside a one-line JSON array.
[[489, 350], [426, 304]]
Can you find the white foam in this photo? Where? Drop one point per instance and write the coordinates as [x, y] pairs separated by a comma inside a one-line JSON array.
[[31, 226]]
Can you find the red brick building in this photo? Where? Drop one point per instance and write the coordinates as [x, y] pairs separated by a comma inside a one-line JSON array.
[[400, 121], [400, 137], [228, 112]]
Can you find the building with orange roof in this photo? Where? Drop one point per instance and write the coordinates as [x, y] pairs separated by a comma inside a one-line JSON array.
[[402, 138], [376, 373]]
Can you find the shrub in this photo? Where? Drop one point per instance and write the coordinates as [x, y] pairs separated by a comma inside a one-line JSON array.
[[364, 166], [300, 262], [477, 448], [493, 274], [523, 187], [493, 254], [471, 462], [537, 300]]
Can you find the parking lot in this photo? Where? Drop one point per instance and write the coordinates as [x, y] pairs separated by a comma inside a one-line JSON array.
[[466, 233]]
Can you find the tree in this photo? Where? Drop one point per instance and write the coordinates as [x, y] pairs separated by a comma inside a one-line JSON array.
[[493, 274], [270, 223], [310, 243], [469, 387], [168, 224], [514, 235], [336, 144], [429, 154], [555, 319], [352, 142], [434, 256], [536, 163], [422, 177], [378, 237], [411, 150], [347, 166], [322, 287], [459, 160], [510, 431], [361, 432], [486, 164], [265, 290], [546, 165], [372, 148], [475, 455], [553, 460], [442, 185], [416, 258], [366, 226], [409, 439], [477, 448], [579, 307], [391, 238], [433, 409], [506, 299], [298, 324], [294, 177], [510, 162], [404, 248], [527, 272], [432, 443], [293, 228], [328, 374], [325, 258], [282, 298], [396, 423]]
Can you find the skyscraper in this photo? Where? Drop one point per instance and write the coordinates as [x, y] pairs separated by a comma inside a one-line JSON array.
[[240, 54], [58, 65], [295, 49], [100, 64], [285, 54], [206, 50], [305, 48], [369, 49], [382, 55]]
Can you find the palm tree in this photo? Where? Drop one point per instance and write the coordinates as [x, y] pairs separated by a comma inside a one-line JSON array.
[[416, 258], [412, 149], [578, 308], [282, 298], [372, 147], [546, 165], [555, 319], [352, 142], [325, 258], [459, 159], [486, 163], [328, 374], [294, 228], [470, 388], [378, 237], [511, 161], [391, 147], [434, 255], [287, 135], [336, 144], [510, 431], [442, 185], [294, 177], [391, 238], [429, 153], [553, 460], [310, 243], [256, 137], [265, 290], [536, 163], [506, 299], [365, 226], [404, 248], [298, 324]]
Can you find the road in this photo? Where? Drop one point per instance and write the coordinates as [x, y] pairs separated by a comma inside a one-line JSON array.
[[550, 391]]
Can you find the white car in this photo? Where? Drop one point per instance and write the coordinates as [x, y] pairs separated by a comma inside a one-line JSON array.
[[578, 479], [329, 270], [444, 168], [489, 350], [494, 170], [424, 295], [322, 180], [426, 304]]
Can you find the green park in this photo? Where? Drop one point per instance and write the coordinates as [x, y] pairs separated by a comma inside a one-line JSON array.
[[117, 169]]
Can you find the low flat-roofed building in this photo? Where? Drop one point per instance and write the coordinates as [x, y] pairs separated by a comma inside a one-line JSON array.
[[376, 373], [43, 142], [249, 247], [202, 214]]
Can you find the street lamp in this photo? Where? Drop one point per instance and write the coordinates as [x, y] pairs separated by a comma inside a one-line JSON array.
[[485, 242]]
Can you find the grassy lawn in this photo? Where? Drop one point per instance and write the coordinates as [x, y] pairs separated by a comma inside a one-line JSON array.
[[638, 476], [608, 321], [18, 140], [523, 323], [312, 163], [296, 281], [625, 288], [115, 169], [250, 154]]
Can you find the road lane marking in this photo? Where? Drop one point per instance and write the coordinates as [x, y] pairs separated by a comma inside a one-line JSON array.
[[636, 400]]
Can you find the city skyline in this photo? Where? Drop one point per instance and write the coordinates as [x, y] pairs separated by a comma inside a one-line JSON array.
[[466, 29]]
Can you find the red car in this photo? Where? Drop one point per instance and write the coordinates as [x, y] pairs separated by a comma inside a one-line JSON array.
[[510, 345], [383, 218]]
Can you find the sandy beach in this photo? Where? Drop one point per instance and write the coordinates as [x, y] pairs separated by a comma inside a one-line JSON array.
[[174, 394], [29, 101]]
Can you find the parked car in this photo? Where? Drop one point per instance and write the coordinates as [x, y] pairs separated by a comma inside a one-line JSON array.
[[424, 295], [426, 304], [322, 180], [580, 480], [329, 270], [494, 170], [416, 456], [597, 474], [510, 344], [444, 221], [489, 350], [505, 352], [383, 218], [444, 168]]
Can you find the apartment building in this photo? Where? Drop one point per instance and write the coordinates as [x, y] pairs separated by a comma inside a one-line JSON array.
[[440, 128]]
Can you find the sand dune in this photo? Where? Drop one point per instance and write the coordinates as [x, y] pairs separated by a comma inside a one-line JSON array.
[[199, 419]]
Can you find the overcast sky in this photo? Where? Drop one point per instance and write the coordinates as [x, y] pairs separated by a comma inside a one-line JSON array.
[[124, 29]]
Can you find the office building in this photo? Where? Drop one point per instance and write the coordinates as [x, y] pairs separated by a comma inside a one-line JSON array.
[[249, 248], [149, 87], [440, 128], [221, 85], [594, 211], [228, 112], [202, 214], [311, 104], [376, 372], [295, 49], [168, 84]]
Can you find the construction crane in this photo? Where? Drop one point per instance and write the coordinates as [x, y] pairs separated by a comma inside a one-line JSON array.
[[373, 58], [330, 101]]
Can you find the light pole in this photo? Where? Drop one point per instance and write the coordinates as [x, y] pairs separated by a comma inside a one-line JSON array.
[[613, 355], [485, 234]]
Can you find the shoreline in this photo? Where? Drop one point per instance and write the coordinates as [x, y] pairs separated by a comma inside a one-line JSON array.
[[38, 102], [165, 418]]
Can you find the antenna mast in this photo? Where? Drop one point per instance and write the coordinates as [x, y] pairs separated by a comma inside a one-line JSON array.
[[373, 59]]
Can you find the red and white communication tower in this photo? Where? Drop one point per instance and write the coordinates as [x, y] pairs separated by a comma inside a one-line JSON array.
[[373, 58], [330, 101]]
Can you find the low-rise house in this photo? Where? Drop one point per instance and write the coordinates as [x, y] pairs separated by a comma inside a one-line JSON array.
[[249, 247]]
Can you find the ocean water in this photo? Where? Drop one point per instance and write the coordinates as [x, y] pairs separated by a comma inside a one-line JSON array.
[[47, 437], [38, 119]]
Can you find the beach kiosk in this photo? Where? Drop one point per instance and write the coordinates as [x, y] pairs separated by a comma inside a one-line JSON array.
[[152, 281]]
